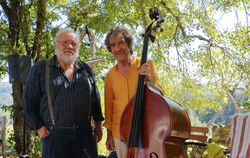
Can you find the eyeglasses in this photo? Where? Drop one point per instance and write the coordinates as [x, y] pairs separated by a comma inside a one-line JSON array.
[[66, 43]]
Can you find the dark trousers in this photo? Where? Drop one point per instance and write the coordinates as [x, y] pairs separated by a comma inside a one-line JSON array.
[[70, 142]]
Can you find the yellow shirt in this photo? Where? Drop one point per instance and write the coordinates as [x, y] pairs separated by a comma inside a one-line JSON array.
[[119, 90]]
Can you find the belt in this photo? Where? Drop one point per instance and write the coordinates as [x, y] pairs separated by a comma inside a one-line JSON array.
[[73, 125]]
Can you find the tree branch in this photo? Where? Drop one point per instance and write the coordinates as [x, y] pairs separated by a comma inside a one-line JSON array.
[[25, 30], [210, 58], [143, 14], [236, 108], [6, 8], [13, 18], [176, 18], [199, 37], [183, 65], [41, 12], [247, 14]]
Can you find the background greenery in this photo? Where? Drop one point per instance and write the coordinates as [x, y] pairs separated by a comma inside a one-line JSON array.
[[202, 65]]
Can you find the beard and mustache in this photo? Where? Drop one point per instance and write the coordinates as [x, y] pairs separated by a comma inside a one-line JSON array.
[[67, 59]]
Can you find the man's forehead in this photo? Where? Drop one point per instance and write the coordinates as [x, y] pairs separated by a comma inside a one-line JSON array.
[[68, 35], [117, 37]]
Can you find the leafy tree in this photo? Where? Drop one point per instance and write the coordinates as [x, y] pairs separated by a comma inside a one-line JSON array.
[[17, 41], [200, 66]]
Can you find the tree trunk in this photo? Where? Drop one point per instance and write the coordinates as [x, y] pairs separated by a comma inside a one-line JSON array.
[[13, 11], [17, 89], [236, 107], [210, 123], [231, 96], [41, 12]]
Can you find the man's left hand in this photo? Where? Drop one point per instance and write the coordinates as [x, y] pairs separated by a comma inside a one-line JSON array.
[[145, 70], [98, 131]]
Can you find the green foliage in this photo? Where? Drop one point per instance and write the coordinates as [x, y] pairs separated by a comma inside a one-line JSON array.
[[194, 118], [10, 142], [35, 146], [199, 63], [8, 109], [245, 105], [101, 145], [214, 150]]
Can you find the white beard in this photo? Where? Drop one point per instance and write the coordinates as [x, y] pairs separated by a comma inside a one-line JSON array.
[[65, 58]]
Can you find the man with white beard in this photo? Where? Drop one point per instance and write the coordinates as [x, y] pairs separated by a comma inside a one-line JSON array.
[[59, 97]]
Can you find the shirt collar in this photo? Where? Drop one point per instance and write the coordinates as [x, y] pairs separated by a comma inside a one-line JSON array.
[[78, 64], [54, 62], [132, 62]]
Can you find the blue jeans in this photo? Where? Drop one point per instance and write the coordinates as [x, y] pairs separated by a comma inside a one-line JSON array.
[[70, 142]]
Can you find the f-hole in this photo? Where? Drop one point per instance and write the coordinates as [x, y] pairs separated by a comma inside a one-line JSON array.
[[153, 155]]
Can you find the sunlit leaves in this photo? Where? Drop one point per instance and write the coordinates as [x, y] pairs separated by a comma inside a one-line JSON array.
[[197, 61]]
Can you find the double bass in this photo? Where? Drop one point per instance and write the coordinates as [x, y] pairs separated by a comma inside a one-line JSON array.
[[152, 125]]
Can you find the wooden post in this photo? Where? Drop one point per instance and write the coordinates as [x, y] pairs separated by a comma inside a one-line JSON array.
[[3, 136], [92, 57], [92, 61]]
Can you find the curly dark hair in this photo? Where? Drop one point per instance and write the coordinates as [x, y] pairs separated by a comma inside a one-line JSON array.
[[113, 32]]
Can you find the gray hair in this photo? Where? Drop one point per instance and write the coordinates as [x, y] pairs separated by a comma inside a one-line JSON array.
[[113, 32], [66, 30]]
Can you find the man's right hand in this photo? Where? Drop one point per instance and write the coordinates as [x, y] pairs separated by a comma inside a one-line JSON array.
[[43, 132], [110, 141]]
